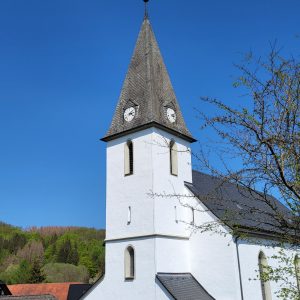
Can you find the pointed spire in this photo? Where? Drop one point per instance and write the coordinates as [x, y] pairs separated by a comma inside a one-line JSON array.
[[147, 88], [146, 9]]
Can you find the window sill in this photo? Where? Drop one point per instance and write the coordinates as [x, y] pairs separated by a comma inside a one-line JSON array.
[[129, 278]]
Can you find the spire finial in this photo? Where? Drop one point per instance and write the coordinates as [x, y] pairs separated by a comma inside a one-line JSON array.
[[146, 9]]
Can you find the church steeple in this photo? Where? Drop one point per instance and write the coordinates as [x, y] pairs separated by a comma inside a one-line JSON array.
[[147, 98], [146, 9]]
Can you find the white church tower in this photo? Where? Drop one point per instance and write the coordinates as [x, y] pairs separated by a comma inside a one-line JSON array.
[[148, 157], [150, 251]]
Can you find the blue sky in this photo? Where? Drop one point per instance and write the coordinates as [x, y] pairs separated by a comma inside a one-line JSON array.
[[62, 65]]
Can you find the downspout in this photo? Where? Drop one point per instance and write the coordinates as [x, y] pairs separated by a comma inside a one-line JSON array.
[[239, 266]]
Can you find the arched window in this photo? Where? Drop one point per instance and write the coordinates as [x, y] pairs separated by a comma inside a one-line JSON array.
[[128, 155], [173, 158], [129, 263], [263, 270], [297, 271]]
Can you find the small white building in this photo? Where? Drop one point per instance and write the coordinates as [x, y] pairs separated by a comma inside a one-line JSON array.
[[155, 200]]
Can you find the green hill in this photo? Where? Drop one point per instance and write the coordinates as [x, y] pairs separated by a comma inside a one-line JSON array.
[[50, 254]]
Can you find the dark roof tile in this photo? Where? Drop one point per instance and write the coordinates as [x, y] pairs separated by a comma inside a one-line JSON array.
[[183, 286], [76, 291], [237, 206], [148, 87]]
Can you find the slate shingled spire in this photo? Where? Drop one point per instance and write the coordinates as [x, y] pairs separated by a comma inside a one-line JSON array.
[[147, 88]]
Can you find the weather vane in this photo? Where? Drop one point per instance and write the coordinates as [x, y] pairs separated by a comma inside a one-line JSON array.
[[146, 8]]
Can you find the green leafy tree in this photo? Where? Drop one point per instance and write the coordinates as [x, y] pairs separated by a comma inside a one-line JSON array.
[[88, 263], [68, 253], [8, 276], [23, 272], [64, 252], [59, 272], [40, 246], [36, 274], [73, 257], [259, 149], [16, 274], [50, 253]]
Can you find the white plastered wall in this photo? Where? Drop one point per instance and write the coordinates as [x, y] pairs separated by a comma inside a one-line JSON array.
[[168, 188], [214, 259], [152, 192], [124, 191], [149, 190], [172, 255], [114, 286], [213, 256], [249, 251], [145, 285], [152, 216]]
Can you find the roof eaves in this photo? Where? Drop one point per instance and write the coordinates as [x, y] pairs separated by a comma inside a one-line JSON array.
[[253, 232], [146, 126]]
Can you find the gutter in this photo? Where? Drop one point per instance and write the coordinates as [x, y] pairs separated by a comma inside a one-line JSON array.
[[239, 266], [146, 126]]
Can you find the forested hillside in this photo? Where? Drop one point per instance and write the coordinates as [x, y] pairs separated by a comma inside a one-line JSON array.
[[50, 254]]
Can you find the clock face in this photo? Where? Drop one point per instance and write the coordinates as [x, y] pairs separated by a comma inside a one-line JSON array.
[[171, 115], [129, 114]]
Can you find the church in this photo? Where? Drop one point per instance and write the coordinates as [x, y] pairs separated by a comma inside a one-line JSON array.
[[155, 202]]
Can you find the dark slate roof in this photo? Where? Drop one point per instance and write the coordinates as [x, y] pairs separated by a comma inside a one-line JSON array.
[[37, 297], [237, 206], [4, 289], [147, 86], [78, 290], [183, 286]]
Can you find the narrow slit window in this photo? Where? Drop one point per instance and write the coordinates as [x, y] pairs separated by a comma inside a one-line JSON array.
[[193, 215], [176, 215], [129, 215], [128, 158], [129, 263], [263, 270], [173, 158]]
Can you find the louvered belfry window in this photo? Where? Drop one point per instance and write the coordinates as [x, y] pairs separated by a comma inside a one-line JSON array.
[[128, 158], [173, 158]]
